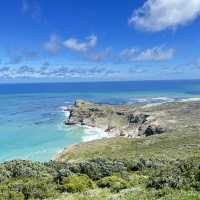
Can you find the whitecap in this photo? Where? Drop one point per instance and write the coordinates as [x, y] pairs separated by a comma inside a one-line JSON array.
[[190, 99], [166, 99], [152, 104], [152, 100], [142, 100], [93, 133], [67, 114], [65, 111], [62, 108]]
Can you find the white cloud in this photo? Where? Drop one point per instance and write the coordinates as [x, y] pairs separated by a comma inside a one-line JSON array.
[[76, 45], [157, 15], [129, 53], [152, 54], [58, 72], [53, 45]]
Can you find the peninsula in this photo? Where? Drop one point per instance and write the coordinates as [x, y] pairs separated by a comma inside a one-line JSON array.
[[136, 120]]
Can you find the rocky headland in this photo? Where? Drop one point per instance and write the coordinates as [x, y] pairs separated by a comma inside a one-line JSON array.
[[137, 120], [159, 130]]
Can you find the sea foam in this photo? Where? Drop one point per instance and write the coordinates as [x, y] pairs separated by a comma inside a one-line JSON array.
[[190, 99], [93, 133]]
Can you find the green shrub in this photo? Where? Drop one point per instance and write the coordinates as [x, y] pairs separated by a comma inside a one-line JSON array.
[[21, 179], [39, 188], [136, 179], [32, 187], [178, 174], [7, 194], [165, 178], [115, 183], [77, 183], [25, 168], [134, 165], [4, 174], [98, 168]]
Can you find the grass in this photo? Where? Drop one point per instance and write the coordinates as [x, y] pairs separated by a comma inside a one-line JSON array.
[[132, 194], [168, 145]]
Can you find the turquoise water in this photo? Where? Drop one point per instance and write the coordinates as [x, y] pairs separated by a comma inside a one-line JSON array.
[[31, 127], [31, 115]]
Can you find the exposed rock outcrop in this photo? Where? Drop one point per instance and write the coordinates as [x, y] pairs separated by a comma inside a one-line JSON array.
[[121, 120], [153, 130]]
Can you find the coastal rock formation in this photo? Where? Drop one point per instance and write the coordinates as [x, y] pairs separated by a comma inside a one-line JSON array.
[[117, 120], [152, 130]]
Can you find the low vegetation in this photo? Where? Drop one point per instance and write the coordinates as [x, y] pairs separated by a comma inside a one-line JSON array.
[[115, 183], [76, 183], [101, 179]]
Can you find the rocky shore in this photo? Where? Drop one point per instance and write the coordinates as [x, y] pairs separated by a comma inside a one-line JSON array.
[[117, 120], [136, 120]]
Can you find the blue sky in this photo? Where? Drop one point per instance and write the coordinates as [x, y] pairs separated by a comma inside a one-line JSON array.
[[76, 40]]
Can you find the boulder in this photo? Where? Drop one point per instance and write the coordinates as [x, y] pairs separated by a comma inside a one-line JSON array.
[[68, 122], [153, 130], [138, 118]]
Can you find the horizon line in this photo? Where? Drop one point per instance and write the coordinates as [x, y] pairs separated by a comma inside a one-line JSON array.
[[96, 81]]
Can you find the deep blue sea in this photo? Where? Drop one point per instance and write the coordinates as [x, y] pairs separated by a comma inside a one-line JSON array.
[[31, 115]]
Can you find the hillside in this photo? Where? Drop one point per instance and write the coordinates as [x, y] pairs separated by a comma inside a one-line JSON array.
[[180, 137], [164, 165]]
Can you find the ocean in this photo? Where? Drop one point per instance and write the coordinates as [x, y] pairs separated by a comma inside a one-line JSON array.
[[31, 115]]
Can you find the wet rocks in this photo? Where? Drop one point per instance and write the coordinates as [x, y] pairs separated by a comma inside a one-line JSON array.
[[67, 122]]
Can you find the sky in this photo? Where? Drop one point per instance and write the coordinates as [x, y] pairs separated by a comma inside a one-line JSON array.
[[99, 40]]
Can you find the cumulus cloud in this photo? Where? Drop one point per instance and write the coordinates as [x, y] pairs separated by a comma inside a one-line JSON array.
[[82, 46], [129, 53], [158, 15], [53, 45], [151, 54]]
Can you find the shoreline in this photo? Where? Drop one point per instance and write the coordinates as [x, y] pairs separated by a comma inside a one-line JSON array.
[[59, 154], [143, 106], [71, 146], [86, 129]]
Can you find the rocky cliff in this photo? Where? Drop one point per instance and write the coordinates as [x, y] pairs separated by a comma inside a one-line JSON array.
[[118, 120]]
